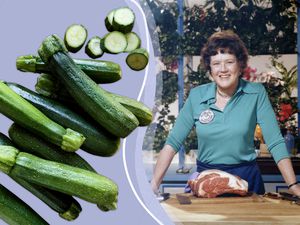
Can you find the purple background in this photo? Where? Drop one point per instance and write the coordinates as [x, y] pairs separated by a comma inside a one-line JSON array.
[[24, 25]]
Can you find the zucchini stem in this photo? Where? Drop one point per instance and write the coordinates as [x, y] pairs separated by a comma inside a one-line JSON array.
[[72, 140], [8, 156]]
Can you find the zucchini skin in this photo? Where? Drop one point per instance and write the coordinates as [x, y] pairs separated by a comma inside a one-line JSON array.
[[93, 99], [29, 143], [100, 71], [46, 86], [65, 205], [14, 211], [67, 179], [25, 114], [141, 112], [98, 141]]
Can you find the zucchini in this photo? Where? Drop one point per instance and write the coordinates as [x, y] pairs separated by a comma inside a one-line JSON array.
[[98, 141], [14, 211], [26, 115], [114, 42], [93, 99], [66, 206], [123, 20], [67, 179], [75, 37], [109, 21], [99, 71], [29, 143], [93, 48], [141, 112], [137, 59], [133, 41], [47, 81]]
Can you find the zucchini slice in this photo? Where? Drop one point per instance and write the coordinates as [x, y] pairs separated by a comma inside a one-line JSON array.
[[75, 37], [93, 48], [114, 42], [137, 59], [133, 41], [123, 19], [109, 20]]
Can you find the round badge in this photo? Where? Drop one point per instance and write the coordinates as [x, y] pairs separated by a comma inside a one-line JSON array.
[[206, 116]]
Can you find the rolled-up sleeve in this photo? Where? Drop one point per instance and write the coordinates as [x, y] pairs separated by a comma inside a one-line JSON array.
[[182, 126], [267, 121]]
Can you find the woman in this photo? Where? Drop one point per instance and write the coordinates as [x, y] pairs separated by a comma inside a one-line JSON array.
[[225, 113]]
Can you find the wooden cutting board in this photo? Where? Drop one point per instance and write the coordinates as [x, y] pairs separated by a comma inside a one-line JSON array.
[[221, 200], [248, 210]]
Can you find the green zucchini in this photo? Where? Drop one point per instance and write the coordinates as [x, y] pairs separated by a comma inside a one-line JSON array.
[[66, 206], [25, 114], [46, 87], [75, 37], [99, 71], [114, 42], [141, 112], [133, 41], [137, 59], [14, 211], [123, 20], [109, 21], [93, 48], [98, 141], [48, 82], [93, 99], [29, 143], [67, 179]]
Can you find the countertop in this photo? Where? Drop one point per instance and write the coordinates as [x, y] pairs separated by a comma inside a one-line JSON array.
[[232, 210]]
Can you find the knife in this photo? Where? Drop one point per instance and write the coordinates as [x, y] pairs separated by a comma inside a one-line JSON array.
[[162, 196], [290, 197]]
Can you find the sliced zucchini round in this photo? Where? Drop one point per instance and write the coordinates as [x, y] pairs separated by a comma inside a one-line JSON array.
[[109, 20], [123, 19], [93, 48], [137, 59], [114, 42], [133, 41], [75, 37]]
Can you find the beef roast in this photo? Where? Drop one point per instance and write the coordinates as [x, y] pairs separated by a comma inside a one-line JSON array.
[[211, 183]]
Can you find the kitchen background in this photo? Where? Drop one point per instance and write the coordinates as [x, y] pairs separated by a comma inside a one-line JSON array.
[[269, 30]]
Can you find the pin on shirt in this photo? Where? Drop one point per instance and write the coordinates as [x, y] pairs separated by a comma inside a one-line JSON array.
[[206, 116]]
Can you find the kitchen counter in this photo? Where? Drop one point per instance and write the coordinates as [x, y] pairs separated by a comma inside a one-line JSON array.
[[232, 210]]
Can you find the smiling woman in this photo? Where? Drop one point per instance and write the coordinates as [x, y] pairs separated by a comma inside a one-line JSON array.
[[225, 113]]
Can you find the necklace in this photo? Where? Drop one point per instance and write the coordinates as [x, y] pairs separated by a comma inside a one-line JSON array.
[[223, 95]]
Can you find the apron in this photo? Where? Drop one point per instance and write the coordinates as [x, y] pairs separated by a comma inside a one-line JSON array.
[[249, 171]]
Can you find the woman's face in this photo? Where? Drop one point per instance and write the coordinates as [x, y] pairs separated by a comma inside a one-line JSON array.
[[225, 71]]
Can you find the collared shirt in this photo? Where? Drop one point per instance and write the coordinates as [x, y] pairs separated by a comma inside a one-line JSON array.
[[227, 138]]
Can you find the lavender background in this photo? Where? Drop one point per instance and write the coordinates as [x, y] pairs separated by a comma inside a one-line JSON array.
[[24, 25]]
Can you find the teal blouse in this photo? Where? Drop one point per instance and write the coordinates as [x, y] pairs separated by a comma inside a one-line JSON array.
[[226, 137]]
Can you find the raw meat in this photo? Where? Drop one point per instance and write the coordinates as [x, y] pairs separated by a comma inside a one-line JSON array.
[[211, 183]]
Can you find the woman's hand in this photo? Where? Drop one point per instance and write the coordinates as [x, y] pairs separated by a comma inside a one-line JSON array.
[[295, 189]]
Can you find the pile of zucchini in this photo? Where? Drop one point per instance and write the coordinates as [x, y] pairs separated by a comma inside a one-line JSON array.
[[68, 111]]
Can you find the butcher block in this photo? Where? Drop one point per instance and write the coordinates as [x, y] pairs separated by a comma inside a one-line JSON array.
[[251, 209]]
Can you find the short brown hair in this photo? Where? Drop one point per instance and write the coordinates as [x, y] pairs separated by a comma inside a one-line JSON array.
[[225, 42]]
